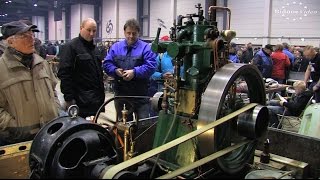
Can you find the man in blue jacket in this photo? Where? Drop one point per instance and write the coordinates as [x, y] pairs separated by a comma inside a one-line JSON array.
[[131, 62]]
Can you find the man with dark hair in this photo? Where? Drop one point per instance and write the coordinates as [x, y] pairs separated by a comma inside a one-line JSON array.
[[131, 62], [263, 61], [247, 55], [28, 98], [287, 52], [81, 72]]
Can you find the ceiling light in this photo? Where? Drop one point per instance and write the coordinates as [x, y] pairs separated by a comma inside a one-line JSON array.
[[35, 5]]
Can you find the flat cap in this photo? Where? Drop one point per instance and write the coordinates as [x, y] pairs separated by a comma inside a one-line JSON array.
[[15, 27], [29, 23]]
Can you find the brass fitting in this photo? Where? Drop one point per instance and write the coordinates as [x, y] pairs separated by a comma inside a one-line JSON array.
[[124, 114]]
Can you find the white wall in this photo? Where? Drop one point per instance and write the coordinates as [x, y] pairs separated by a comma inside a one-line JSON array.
[[109, 10], [75, 20], [80, 12], [61, 27], [259, 22], [127, 10], [160, 10], [87, 11], [188, 6], [57, 29], [290, 20], [293, 20], [247, 19], [219, 15], [168, 10], [51, 26], [39, 21]]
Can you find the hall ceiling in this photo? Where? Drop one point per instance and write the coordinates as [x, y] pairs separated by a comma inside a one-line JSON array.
[[11, 10]]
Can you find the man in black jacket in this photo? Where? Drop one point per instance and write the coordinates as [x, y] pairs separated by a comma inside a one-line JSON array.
[[81, 72]]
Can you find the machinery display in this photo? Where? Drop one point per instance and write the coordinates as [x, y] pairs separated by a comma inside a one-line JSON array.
[[206, 126]]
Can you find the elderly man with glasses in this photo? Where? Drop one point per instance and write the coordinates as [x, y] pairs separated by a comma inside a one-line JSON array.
[[28, 98]]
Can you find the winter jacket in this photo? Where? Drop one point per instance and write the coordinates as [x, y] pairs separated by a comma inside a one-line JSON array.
[[264, 63], [138, 57], [28, 98], [81, 75], [234, 58], [164, 65], [280, 63], [298, 103]]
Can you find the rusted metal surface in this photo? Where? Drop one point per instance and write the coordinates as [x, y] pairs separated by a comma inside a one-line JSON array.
[[295, 146], [14, 161]]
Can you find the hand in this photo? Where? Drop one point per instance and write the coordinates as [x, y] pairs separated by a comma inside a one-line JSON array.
[[69, 103], [119, 72], [167, 75], [281, 103], [128, 75]]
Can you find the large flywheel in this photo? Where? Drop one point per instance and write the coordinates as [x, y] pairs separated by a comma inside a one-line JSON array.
[[223, 97]]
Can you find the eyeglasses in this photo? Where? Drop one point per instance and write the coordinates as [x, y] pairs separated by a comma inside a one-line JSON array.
[[25, 35]]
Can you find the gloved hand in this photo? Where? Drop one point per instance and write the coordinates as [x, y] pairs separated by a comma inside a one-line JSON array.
[[70, 103]]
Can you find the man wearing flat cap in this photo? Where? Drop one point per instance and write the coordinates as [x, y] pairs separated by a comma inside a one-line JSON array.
[[263, 61], [27, 86], [3, 43]]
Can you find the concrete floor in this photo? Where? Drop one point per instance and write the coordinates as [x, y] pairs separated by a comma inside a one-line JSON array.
[[110, 112]]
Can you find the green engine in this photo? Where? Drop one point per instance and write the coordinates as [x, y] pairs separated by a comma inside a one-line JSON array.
[[198, 50]]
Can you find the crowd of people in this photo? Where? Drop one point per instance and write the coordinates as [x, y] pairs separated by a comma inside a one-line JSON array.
[[28, 83]]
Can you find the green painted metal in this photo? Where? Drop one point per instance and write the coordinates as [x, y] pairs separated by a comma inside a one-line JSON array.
[[310, 123], [190, 47], [183, 154]]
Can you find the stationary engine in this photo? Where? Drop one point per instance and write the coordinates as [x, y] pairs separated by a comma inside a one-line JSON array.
[[207, 125]]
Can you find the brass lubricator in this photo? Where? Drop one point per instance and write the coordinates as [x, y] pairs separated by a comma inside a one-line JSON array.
[[127, 128], [124, 114]]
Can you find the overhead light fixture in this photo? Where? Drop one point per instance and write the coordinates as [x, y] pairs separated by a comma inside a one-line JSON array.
[[35, 3]]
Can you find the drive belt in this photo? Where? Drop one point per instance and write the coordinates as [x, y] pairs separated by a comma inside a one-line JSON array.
[[114, 170]]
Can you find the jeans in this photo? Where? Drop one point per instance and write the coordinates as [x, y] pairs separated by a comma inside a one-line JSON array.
[[275, 107], [135, 109]]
